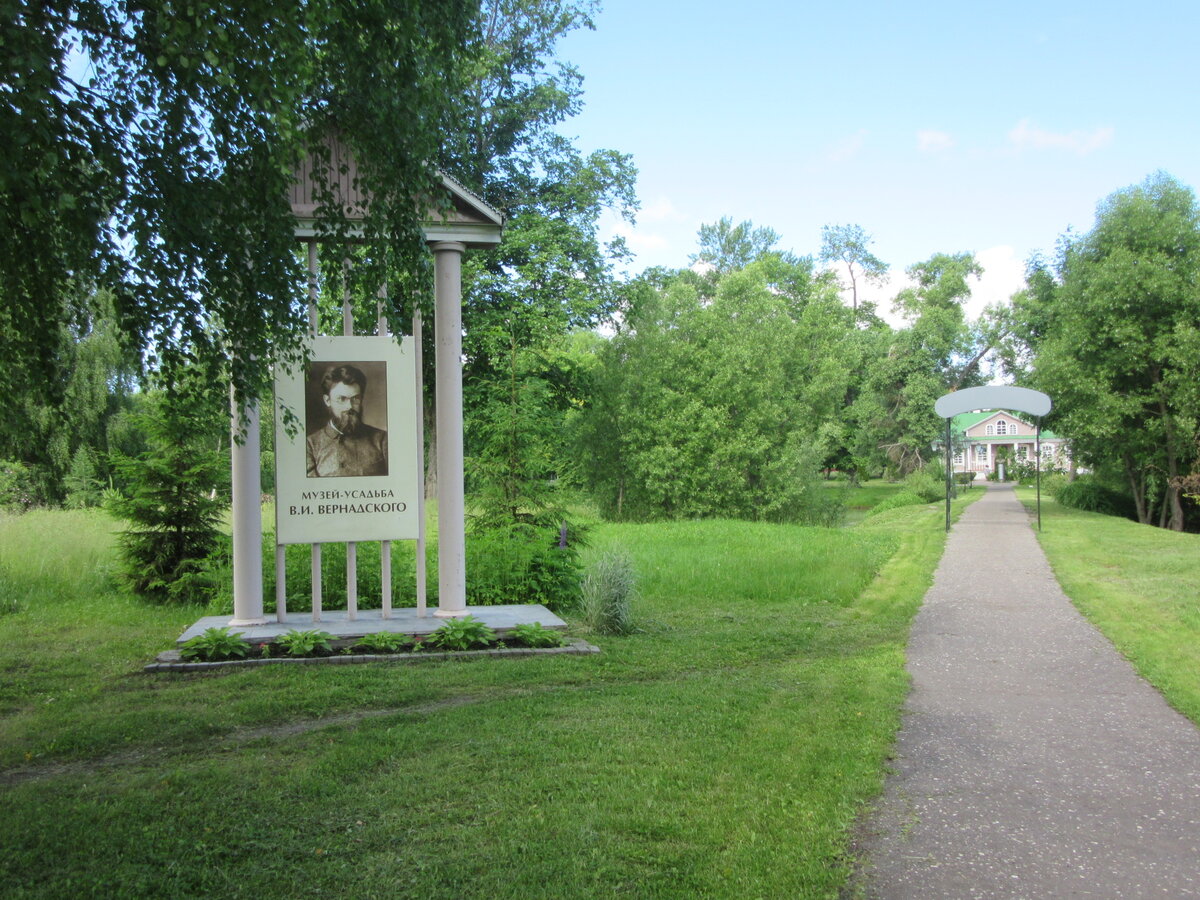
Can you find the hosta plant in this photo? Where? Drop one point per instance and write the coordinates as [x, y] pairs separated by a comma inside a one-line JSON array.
[[214, 645], [383, 642], [304, 643], [534, 634], [467, 633]]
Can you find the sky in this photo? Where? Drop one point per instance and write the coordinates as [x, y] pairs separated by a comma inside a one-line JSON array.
[[939, 127]]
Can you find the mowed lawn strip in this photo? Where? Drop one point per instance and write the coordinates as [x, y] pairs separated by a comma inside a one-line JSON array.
[[723, 751], [1139, 585]]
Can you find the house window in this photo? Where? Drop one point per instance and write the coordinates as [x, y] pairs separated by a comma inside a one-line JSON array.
[[958, 458], [981, 451], [990, 429], [1023, 452], [1047, 450], [1001, 427]]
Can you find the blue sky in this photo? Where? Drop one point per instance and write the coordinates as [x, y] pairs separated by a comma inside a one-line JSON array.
[[938, 127]]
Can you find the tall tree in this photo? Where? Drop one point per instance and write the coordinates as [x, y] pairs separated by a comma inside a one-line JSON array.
[[935, 352], [1113, 338], [723, 407], [850, 246], [728, 247], [552, 273], [53, 426], [151, 151]]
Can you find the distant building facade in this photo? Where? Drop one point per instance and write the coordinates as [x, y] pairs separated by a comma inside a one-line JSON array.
[[982, 435]]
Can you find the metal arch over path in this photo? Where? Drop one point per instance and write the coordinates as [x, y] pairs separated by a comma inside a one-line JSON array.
[[996, 396]]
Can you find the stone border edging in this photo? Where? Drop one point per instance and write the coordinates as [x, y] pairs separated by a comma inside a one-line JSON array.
[[165, 662]]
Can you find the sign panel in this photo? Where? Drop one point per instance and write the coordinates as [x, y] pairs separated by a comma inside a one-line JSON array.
[[996, 396], [350, 473]]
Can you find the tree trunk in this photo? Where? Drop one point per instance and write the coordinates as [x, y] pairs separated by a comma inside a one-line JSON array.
[[1176, 503], [430, 452], [1172, 493], [1138, 486]]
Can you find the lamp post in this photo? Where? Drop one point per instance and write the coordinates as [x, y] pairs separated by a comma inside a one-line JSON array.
[[939, 445]]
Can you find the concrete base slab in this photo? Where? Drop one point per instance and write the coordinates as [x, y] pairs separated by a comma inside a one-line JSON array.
[[370, 621]]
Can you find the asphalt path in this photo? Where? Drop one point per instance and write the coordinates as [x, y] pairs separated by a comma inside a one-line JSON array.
[[1032, 761]]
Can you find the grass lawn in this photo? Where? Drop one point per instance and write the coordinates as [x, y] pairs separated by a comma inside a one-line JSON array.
[[1139, 585], [863, 497], [724, 751]]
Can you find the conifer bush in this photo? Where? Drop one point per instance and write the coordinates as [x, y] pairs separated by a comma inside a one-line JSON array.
[[173, 504]]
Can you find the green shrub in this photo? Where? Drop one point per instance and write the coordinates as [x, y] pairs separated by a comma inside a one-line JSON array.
[[823, 507], [304, 643], [521, 562], [172, 510], [1052, 482], [925, 485], [964, 477], [465, 633], [607, 594], [534, 634], [18, 486], [1023, 471], [1089, 495], [214, 645], [903, 498], [298, 575], [383, 642]]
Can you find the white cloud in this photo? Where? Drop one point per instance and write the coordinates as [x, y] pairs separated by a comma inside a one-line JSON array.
[[930, 141], [1027, 135], [638, 239], [660, 210], [1003, 276], [847, 148]]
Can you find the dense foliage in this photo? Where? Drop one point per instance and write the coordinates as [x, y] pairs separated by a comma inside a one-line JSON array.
[[1111, 330], [151, 147], [722, 407]]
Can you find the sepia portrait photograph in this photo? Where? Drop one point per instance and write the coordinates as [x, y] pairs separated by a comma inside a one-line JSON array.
[[346, 419]]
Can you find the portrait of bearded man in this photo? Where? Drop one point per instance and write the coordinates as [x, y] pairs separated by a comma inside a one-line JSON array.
[[344, 445]]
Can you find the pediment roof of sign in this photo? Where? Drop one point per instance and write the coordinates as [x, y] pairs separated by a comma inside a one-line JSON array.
[[468, 217], [469, 206]]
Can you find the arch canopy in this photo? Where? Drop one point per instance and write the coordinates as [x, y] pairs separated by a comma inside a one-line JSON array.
[[997, 396]]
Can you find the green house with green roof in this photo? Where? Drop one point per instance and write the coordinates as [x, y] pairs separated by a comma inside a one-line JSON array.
[[981, 435]]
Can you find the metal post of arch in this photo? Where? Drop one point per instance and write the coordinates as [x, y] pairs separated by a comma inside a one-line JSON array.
[[949, 475], [1037, 463]]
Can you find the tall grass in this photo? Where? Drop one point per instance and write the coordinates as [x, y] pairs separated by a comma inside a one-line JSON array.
[[723, 750], [607, 594]]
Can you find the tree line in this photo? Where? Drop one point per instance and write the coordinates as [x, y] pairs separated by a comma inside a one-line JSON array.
[[727, 386]]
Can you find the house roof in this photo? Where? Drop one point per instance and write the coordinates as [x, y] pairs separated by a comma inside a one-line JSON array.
[[962, 422]]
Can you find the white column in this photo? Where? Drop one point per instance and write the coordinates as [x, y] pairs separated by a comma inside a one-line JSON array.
[[385, 579], [420, 551], [280, 583], [247, 518], [452, 558], [316, 582], [351, 581]]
